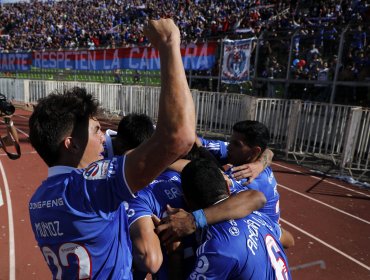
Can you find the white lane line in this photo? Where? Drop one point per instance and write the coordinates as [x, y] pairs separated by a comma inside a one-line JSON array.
[[318, 178], [325, 204], [326, 244], [22, 117], [1, 198], [24, 133], [11, 226]]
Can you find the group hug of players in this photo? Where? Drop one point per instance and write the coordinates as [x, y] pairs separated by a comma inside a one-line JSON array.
[[158, 200]]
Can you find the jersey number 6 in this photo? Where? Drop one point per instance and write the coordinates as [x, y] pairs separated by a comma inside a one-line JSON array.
[[277, 262]]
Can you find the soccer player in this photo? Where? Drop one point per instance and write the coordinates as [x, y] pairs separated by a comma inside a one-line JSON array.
[[247, 145], [133, 130], [248, 141], [77, 214], [247, 248], [248, 171]]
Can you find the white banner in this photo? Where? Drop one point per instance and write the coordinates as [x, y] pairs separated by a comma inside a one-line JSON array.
[[235, 64]]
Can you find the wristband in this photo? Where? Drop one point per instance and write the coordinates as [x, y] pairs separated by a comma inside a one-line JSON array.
[[200, 219]]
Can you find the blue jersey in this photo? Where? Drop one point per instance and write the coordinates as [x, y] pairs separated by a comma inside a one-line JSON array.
[[265, 183], [166, 189], [247, 248], [216, 147], [80, 223], [153, 199]]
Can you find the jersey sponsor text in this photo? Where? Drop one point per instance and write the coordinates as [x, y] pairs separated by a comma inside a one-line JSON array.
[[47, 203]]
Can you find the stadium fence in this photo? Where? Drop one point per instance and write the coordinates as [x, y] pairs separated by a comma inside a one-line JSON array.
[[298, 128]]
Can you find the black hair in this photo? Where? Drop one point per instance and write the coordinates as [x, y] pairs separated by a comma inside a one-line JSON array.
[[134, 129], [57, 115], [255, 133], [201, 152], [203, 183]]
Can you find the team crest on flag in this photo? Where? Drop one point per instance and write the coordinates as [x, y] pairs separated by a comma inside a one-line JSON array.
[[236, 57]]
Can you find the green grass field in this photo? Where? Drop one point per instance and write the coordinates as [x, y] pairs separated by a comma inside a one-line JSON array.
[[128, 77]]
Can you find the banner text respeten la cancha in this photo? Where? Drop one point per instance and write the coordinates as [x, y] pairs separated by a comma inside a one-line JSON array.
[[195, 57]]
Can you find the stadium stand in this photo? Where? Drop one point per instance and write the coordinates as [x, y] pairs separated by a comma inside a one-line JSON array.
[[299, 40], [71, 24]]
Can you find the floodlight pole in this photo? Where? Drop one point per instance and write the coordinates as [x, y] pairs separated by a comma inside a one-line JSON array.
[[220, 65], [337, 66]]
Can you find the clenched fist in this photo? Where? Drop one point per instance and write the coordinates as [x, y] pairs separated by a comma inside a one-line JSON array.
[[162, 33]]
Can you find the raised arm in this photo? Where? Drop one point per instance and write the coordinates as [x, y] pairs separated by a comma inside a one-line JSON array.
[[174, 134]]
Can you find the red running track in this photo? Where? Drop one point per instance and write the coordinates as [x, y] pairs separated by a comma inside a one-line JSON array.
[[329, 219]]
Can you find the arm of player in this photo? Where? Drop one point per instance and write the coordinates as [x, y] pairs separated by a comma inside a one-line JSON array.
[[175, 253], [286, 238], [235, 207], [180, 223], [253, 169], [174, 134], [146, 248]]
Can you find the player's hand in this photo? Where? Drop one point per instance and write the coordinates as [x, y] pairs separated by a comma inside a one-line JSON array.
[[176, 225], [247, 171], [162, 33]]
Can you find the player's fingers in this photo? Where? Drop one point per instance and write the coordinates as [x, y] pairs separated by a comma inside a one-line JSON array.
[[242, 175], [246, 183], [161, 228], [156, 220], [149, 27], [240, 167], [171, 210]]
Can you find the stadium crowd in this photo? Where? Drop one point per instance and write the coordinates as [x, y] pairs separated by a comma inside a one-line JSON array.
[[91, 24], [312, 29]]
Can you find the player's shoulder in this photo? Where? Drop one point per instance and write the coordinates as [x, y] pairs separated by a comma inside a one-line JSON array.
[[227, 231], [266, 176], [169, 175]]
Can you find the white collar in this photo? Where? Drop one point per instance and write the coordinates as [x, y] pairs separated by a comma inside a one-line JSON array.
[[59, 169]]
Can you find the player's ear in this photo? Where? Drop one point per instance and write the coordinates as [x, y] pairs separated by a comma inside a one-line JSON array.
[[256, 151], [69, 144]]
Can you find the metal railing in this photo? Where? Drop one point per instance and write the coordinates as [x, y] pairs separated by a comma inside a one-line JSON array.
[[300, 128]]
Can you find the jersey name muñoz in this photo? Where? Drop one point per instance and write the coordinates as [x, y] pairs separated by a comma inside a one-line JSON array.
[[80, 223]]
